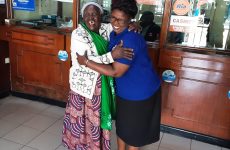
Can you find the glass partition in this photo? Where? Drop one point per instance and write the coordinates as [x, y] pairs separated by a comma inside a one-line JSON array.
[[200, 23], [56, 13], [150, 17]]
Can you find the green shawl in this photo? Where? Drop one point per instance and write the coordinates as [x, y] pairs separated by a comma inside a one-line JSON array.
[[108, 107]]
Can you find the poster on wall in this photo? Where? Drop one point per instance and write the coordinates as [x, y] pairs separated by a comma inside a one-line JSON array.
[[28, 5], [2, 1]]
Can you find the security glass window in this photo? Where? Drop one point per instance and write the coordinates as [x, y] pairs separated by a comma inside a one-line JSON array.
[[55, 13], [150, 18], [200, 23]]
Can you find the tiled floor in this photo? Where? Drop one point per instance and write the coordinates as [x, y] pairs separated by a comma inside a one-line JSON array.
[[31, 125]]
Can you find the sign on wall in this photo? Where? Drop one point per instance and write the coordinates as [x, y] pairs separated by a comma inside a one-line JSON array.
[[28, 5], [183, 23]]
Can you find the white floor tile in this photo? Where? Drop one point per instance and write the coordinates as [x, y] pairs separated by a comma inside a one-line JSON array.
[[54, 111], [2, 100], [9, 107], [113, 137], [18, 116], [165, 148], [6, 127], [8, 145], [56, 128], [22, 135], [3, 114], [61, 147], [27, 148], [46, 141], [17, 100], [36, 107], [113, 142], [8, 99], [149, 147], [40, 122], [196, 145], [173, 142], [31, 125], [13, 104], [153, 146]]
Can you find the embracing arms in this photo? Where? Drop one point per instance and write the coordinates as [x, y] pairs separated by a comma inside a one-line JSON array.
[[116, 69]]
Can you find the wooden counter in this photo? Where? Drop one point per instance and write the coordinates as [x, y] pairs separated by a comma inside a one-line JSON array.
[[35, 67], [197, 101]]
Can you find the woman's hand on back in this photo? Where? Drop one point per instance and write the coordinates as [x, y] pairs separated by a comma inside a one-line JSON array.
[[134, 26], [120, 52]]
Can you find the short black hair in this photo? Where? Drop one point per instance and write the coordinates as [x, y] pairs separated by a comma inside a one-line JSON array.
[[127, 6], [147, 13]]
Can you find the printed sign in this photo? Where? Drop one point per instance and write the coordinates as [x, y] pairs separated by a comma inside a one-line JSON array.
[[183, 23], [181, 29], [149, 2], [181, 7], [83, 81], [28, 5]]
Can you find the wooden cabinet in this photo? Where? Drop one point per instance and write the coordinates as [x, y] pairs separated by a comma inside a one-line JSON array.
[[197, 101], [153, 52], [5, 33], [35, 67]]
